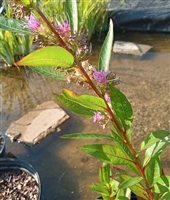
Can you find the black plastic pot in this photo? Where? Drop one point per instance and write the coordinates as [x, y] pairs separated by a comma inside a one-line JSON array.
[[2, 144], [7, 164]]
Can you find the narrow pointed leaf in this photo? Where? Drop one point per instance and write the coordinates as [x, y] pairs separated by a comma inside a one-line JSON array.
[[162, 184], [88, 136], [109, 154], [101, 189], [13, 25], [48, 56], [123, 193], [122, 198], [153, 138], [156, 149], [165, 196], [26, 2], [122, 107], [153, 171], [88, 101], [119, 142], [106, 153], [105, 173], [50, 72], [71, 10], [130, 182], [106, 50], [74, 107], [137, 189]]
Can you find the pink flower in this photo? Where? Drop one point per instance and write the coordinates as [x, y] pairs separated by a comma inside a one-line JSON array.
[[100, 76], [32, 23], [107, 97], [97, 116], [63, 28]]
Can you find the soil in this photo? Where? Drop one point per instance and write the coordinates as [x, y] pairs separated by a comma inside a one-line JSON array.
[[18, 185]]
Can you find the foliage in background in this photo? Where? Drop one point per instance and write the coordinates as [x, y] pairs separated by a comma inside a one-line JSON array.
[[92, 18], [92, 15], [13, 45]]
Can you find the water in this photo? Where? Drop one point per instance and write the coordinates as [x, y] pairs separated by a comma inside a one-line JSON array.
[[64, 170]]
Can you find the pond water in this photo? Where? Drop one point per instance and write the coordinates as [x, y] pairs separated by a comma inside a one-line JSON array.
[[64, 170]]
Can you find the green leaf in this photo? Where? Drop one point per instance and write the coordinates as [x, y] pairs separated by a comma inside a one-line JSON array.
[[106, 50], [6, 52], [88, 101], [75, 107], [153, 171], [105, 174], [71, 11], [101, 189], [162, 184], [130, 182], [87, 136], [48, 56], [109, 154], [109, 185], [26, 2], [50, 72], [153, 138], [121, 107], [93, 100], [105, 153], [123, 193], [165, 196], [156, 149], [137, 189], [120, 143], [13, 25], [122, 198]]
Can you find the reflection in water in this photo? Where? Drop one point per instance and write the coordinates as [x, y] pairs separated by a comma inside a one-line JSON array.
[[64, 170], [22, 90]]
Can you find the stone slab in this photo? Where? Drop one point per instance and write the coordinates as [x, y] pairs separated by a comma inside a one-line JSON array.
[[37, 124], [130, 48]]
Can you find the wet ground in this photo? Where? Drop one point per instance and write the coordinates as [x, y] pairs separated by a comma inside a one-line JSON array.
[[64, 170]]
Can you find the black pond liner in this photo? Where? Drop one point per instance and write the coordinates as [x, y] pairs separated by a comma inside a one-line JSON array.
[[2, 144], [8, 164], [133, 197]]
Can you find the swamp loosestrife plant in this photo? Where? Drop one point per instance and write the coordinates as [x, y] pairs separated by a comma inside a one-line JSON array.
[[69, 59]]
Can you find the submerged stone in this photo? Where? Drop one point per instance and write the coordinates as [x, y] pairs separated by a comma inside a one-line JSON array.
[[130, 48], [37, 124]]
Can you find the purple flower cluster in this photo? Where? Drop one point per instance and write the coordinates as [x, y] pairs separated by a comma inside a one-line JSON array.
[[97, 117], [32, 22], [63, 28], [107, 98], [100, 76]]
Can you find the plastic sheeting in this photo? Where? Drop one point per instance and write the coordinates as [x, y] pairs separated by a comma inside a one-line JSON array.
[[141, 15]]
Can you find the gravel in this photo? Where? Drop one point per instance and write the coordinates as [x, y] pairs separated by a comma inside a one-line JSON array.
[[17, 185]]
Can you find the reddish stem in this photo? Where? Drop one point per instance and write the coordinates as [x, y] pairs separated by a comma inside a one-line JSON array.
[[123, 133], [60, 40]]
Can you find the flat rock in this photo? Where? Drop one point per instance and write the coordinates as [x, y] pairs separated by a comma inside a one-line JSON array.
[[37, 124], [130, 48]]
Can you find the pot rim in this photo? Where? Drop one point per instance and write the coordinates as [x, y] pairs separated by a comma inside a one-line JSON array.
[[3, 145], [17, 164]]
